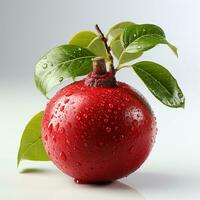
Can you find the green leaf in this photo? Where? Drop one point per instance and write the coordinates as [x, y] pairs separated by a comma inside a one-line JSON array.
[[120, 53], [91, 41], [61, 63], [98, 48], [139, 38], [116, 48], [161, 83], [31, 146], [117, 29], [83, 38]]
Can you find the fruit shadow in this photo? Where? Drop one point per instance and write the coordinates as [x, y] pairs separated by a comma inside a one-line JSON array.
[[154, 181], [116, 190]]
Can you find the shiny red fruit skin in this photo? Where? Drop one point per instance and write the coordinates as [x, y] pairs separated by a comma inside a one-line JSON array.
[[98, 134]]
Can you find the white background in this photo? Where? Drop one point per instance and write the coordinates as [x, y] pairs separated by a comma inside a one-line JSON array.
[[30, 28]]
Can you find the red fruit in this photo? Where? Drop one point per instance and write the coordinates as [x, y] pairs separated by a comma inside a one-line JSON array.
[[98, 129]]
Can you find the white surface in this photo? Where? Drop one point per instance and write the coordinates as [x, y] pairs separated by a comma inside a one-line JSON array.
[[29, 28]]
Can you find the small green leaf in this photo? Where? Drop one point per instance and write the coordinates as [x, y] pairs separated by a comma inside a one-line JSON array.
[[31, 146], [117, 29], [61, 63], [161, 83], [90, 41], [98, 48], [83, 38], [138, 38], [116, 48]]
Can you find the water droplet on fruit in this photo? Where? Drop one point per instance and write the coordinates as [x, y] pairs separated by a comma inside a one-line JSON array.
[[79, 49], [139, 47], [153, 140], [57, 126], [100, 144], [44, 66], [85, 116], [63, 156], [50, 128], [105, 120], [134, 35], [54, 138], [131, 149], [122, 137], [85, 144], [61, 79], [46, 137], [62, 108], [67, 141], [110, 105], [82, 89], [62, 130], [79, 181], [114, 137], [69, 124], [78, 118], [68, 93], [66, 101], [108, 129], [127, 99], [116, 127]]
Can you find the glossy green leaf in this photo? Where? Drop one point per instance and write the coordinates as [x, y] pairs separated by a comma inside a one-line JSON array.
[[116, 48], [61, 63], [161, 83], [83, 38], [138, 38], [98, 48], [31, 146], [120, 52], [116, 30], [90, 41]]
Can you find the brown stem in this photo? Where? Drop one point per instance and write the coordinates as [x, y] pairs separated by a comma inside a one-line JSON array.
[[104, 39]]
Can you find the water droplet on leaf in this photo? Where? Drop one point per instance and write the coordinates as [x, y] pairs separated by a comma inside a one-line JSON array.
[[44, 66], [61, 79]]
